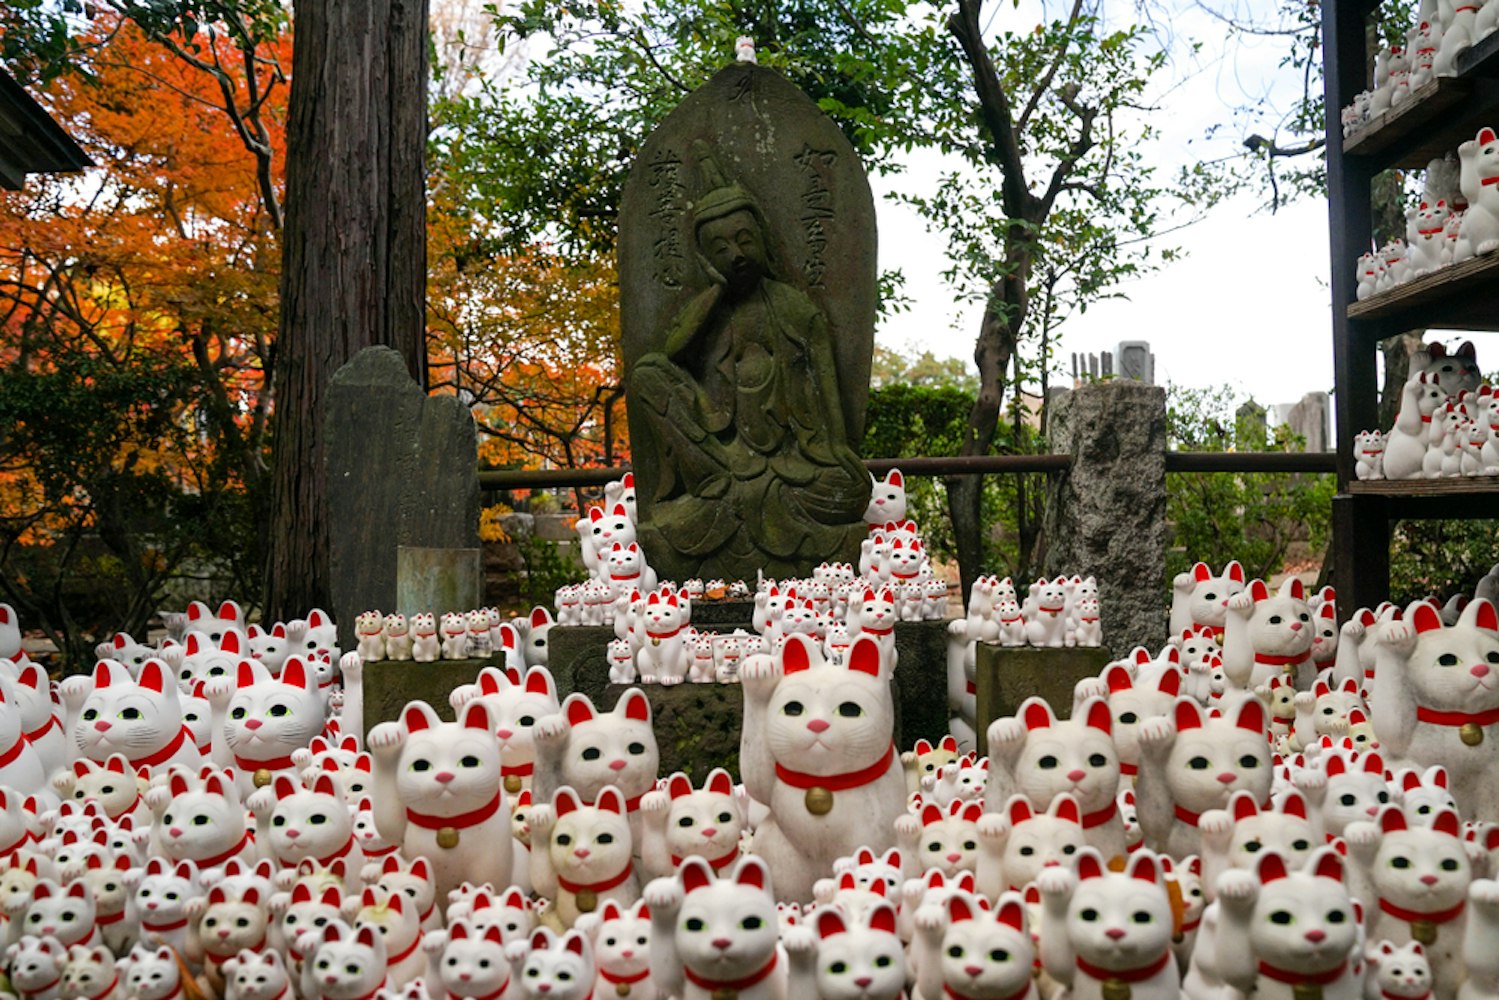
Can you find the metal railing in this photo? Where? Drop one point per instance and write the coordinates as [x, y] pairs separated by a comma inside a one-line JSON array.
[[960, 465]]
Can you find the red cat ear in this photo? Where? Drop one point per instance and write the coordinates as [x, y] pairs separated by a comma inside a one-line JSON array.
[[1188, 715], [283, 787], [418, 715], [611, 799], [177, 783], [931, 813], [215, 895], [578, 709], [1089, 865], [1258, 591], [1251, 716], [1329, 864], [573, 941], [1141, 655], [752, 871], [1201, 572], [830, 922], [1447, 822], [796, 655], [331, 896], [1483, 614], [300, 893], [1271, 867], [864, 656], [1294, 805], [595, 513], [492, 934], [637, 707], [244, 674], [1234, 571], [153, 678], [230, 643], [720, 782], [509, 637], [1036, 714], [882, 918], [541, 938], [458, 930], [365, 935], [959, 908], [1171, 680], [476, 716], [1117, 678], [1335, 766], [539, 681], [1424, 617], [564, 801], [489, 680], [695, 874], [1098, 716], [678, 786], [252, 896], [1391, 819], [1243, 806], [1486, 137], [894, 478], [1296, 590], [1019, 808], [1143, 866], [1064, 807]]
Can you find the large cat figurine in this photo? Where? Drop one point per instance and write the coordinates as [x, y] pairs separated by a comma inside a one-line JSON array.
[[581, 854], [586, 750], [887, 500], [711, 934], [1286, 933], [681, 822], [140, 719], [1040, 756], [1194, 762], [1103, 930], [438, 793], [1269, 635], [261, 719], [817, 749], [1435, 698]]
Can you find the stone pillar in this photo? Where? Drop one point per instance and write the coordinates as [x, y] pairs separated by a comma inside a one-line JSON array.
[[1106, 516], [1249, 427], [403, 471]]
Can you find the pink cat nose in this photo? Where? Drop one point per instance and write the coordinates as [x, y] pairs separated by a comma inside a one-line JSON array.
[[1316, 937], [1076, 774], [1428, 880], [504, 734], [627, 953], [710, 831], [721, 943], [582, 852], [444, 776], [955, 857], [175, 831], [293, 834], [973, 970], [1479, 670], [543, 987], [102, 726], [863, 982], [330, 980], [616, 765], [1295, 626], [224, 933], [1114, 933], [253, 725], [818, 725], [1227, 777]]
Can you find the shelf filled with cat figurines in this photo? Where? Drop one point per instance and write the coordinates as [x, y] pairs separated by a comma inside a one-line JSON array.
[[1447, 426], [1428, 90], [1447, 253]]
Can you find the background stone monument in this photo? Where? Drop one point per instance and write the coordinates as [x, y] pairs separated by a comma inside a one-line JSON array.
[[747, 298]]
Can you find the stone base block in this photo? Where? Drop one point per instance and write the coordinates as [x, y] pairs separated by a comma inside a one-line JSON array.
[[1007, 675], [390, 684]]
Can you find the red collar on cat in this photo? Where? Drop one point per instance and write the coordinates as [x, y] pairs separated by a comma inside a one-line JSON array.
[[717, 864], [596, 887], [9, 756], [1191, 818], [106, 991], [837, 782], [460, 822], [1302, 978], [610, 977], [1270, 660], [1441, 718], [663, 635], [252, 765], [1101, 816], [398, 959], [878, 631], [220, 858], [47, 986], [953, 994], [519, 770], [1387, 995], [41, 730], [714, 985], [165, 754], [1414, 916], [175, 925], [105, 919], [506, 985], [1137, 975], [348, 845]]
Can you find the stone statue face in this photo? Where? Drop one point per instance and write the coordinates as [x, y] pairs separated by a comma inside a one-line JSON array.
[[735, 247]]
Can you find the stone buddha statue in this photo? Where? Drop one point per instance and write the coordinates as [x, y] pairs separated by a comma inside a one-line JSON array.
[[746, 432]]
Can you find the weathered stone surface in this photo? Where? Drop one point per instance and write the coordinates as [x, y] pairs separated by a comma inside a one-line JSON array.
[[389, 685], [402, 470], [1106, 515], [438, 580], [1006, 676], [747, 293]]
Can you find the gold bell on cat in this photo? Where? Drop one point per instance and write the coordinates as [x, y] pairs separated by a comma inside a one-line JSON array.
[[1115, 989], [447, 838], [819, 801], [1471, 733], [262, 777], [587, 900], [512, 783]]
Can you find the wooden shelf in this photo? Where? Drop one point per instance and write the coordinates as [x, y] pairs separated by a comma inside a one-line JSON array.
[[1439, 116], [1463, 486], [1459, 297]]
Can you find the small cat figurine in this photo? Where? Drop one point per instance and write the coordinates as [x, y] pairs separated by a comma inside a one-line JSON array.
[[296, 822], [663, 656], [621, 939], [1040, 756], [454, 632], [467, 962], [398, 637], [710, 934], [35, 966], [1016, 842], [1102, 930], [838, 958], [537, 647], [1193, 762], [962, 949], [1269, 635], [223, 925], [1046, 615], [1435, 698], [1368, 451], [426, 645], [817, 749], [943, 838], [369, 633], [91, 974], [580, 854], [439, 793], [887, 500], [515, 705], [65, 914], [393, 915], [161, 900], [681, 822], [1284, 932], [1479, 159], [343, 963], [202, 822], [1199, 598], [625, 568], [552, 968], [256, 975], [1399, 973], [114, 901], [586, 750]]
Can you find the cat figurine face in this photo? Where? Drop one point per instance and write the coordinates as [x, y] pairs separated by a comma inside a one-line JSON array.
[[90, 974], [1456, 372], [590, 844], [1201, 598], [707, 821], [946, 839], [152, 975], [985, 953], [1303, 921], [142, 720], [35, 964], [614, 748], [887, 501], [859, 959], [1034, 839], [557, 968], [257, 975], [164, 889], [1423, 794], [1211, 758], [1420, 868], [310, 822], [269, 717], [1401, 973], [347, 964], [203, 823], [270, 647], [112, 784], [1119, 920], [230, 923], [622, 945], [204, 660], [443, 764], [308, 912], [1131, 704], [515, 704], [1076, 756], [1278, 629], [726, 928], [65, 914], [606, 529], [473, 961]]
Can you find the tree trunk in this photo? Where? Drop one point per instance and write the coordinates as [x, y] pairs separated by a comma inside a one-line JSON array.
[[353, 252]]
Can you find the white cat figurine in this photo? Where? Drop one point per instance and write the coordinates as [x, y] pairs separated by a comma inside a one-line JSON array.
[[711, 934]]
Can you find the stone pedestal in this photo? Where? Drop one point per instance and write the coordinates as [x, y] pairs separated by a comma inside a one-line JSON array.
[[1007, 675], [1106, 515], [403, 470], [389, 685]]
